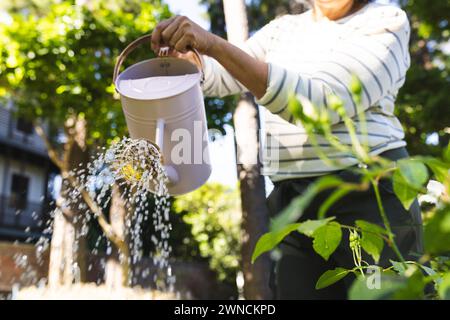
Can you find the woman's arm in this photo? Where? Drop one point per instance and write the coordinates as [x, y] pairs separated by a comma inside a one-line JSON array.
[[249, 71], [377, 54], [182, 34]]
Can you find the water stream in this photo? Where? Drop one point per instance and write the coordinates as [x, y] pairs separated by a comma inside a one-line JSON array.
[[134, 167]]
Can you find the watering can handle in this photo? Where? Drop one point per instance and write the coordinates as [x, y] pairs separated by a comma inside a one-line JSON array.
[[133, 45]]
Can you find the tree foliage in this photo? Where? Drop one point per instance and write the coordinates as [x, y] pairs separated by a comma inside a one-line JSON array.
[[214, 215], [57, 60], [422, 104]]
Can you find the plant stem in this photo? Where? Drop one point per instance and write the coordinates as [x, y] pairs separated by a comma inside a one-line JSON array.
[[386, 222]]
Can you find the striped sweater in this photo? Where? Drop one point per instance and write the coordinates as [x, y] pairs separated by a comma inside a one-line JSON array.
[[314, 59]]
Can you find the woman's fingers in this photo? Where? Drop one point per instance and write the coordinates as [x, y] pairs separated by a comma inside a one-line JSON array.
[[169, 31], [156, 35], [184, 44], [179, 33]]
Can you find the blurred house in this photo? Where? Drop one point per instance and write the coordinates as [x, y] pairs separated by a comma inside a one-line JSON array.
[[25, 172]]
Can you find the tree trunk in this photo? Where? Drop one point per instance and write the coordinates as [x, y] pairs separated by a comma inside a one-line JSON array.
[[117, 273], [68, 259], [253, 197], [61, 258]]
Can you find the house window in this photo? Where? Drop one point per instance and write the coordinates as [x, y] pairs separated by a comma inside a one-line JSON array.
[[24, 126], [19, 191]]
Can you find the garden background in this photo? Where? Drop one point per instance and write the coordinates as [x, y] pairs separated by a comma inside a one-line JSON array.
[[56, 62]]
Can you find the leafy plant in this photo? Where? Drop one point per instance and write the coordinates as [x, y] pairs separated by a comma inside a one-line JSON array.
[[213, 213], [402, 279]]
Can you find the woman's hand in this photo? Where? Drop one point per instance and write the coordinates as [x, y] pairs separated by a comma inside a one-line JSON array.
[[182, 34]]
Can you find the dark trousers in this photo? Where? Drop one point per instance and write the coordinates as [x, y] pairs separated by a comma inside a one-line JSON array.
[[295, 274]]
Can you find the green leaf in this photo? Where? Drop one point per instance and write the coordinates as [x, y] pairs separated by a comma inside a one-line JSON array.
[[330, 277], [296, 208], [444, 287], [413, 171], [372, 244], [327, 239], [428, 270], [368, 226], [436, 233], [446, 153], [390, 287], [309, 226], [415, 285], [271, 239], [371, 240], [399, 267], [360, 290], [404, 192], [439, 168]]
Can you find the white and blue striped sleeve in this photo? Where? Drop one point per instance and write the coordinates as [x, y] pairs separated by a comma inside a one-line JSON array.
[[377, 54], [218, 81]]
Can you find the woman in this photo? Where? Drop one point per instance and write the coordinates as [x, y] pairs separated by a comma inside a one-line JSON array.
[[314, 54]]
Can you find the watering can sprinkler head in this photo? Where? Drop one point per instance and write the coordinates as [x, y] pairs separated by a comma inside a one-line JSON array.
[[144, 157]]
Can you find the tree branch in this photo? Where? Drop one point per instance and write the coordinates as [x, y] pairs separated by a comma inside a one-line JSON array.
[[52, 153], [96, 210], [104, 224]]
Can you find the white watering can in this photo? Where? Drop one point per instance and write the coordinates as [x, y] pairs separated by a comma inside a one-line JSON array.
[[163, 103]]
